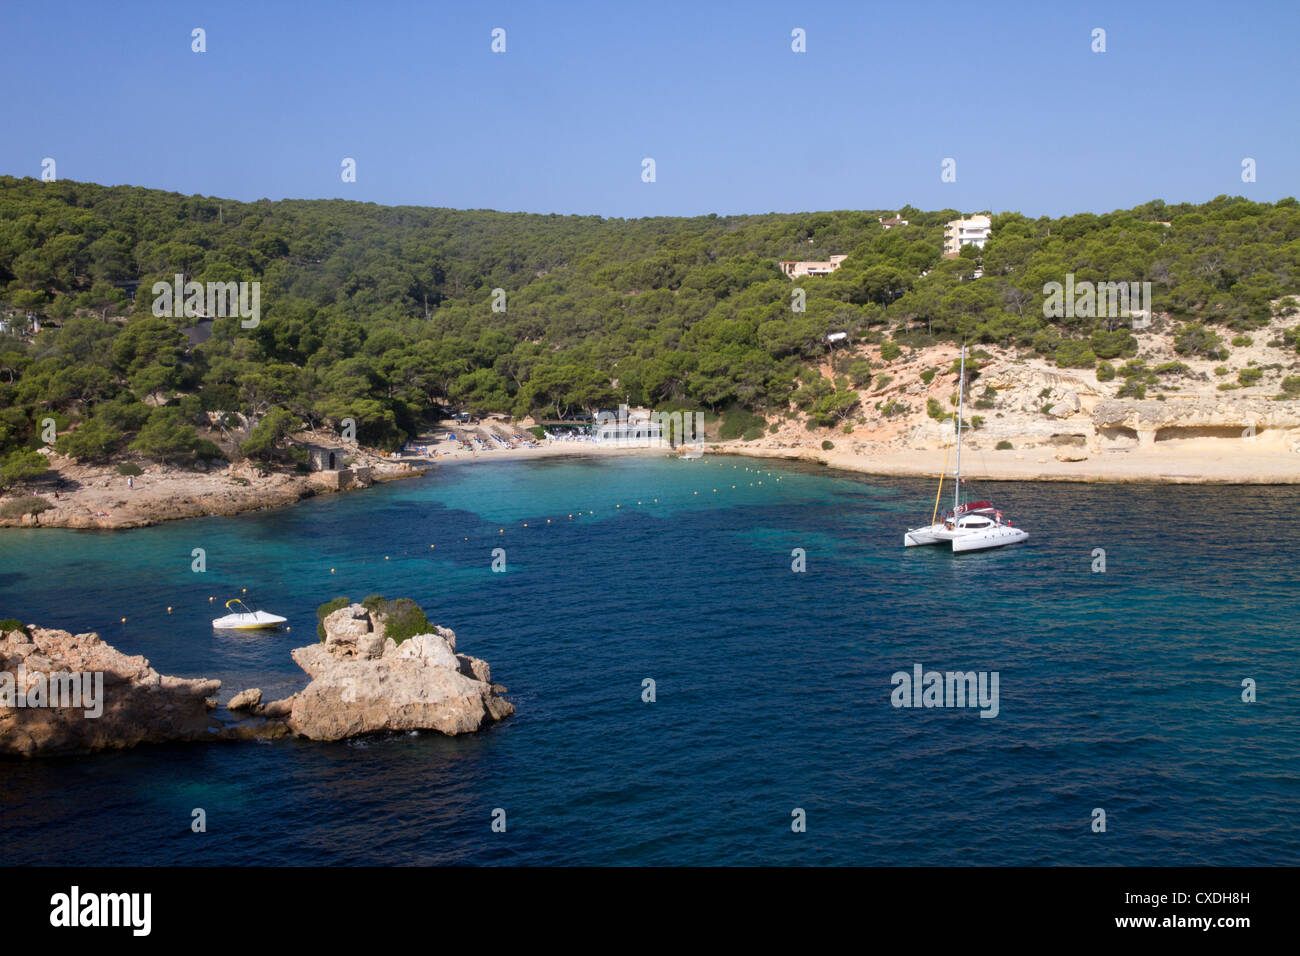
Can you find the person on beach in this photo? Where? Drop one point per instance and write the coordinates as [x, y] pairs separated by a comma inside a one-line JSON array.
[[130, 482]]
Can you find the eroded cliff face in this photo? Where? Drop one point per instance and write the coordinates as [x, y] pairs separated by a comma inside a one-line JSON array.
[[1039, 409], [70, 693]]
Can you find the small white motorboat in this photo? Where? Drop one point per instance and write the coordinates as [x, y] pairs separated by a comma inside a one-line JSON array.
[[244, 618]]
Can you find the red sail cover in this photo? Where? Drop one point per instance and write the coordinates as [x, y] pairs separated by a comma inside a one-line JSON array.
[[973, 506]]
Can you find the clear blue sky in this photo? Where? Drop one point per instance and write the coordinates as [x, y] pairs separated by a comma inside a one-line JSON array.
[[735, 121]]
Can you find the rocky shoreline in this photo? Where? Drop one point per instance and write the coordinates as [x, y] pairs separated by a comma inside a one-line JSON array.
[[101, 498], [66, 693]]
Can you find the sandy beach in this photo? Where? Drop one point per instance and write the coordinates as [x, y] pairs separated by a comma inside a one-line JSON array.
[[1185, 461], [88, 497]]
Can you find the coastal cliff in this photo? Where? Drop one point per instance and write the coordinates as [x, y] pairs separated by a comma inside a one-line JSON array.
[[71, 693], [1155, 416]]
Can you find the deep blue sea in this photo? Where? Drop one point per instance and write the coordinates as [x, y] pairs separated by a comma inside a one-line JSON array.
[[1119, 690]]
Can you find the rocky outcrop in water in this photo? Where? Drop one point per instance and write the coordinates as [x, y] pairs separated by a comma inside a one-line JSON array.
[[363, 682], [70, 693]]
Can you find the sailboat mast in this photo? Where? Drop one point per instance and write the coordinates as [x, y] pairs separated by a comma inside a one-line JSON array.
[[961, 401]]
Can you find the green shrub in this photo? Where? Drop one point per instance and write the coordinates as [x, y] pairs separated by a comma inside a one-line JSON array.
[[892, 408], [1046, 342], [860, 372], [93, 440], [1222, 370], [987, 398], [1291, 384], [374, 603], [12, 624], [538, 432], [1105, 372], [26, 505], [1172, 368], [1003, 445], [1117, 344], [977, 421], [890, 350], [220, 398], [130, 468], [1075, 353], [404, 618], [21, 464], [740, 422], [1195, 339], [882, 380], [205, 450], [827, 445], [1242, 341], [1133, 388], [264, 439], [928, 376], [1250, 376], [934, 409], [325, 610]]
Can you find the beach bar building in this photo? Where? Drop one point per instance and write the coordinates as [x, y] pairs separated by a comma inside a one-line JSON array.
[[627, 430]]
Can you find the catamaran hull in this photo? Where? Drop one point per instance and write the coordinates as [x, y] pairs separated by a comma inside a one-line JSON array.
[[923, 536], [965, 540], [990, 538]]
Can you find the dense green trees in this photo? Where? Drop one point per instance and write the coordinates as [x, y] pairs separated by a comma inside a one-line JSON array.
[[384, 315]]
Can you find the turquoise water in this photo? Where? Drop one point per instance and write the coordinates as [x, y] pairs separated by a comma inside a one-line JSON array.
[[1119, 690]]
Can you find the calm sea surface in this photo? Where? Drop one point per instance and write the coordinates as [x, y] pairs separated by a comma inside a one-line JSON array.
[[1118, 690]]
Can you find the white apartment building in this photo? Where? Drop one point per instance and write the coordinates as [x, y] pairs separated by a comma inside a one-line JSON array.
[[962, 232]]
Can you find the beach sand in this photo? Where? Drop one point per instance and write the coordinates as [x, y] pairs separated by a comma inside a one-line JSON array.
[[99, 497], [1179, 461]]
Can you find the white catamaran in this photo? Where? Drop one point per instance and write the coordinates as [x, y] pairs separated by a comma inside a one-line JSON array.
[[974, 525]]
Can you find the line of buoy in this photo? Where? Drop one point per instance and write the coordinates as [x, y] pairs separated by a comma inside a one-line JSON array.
[[579, 514]]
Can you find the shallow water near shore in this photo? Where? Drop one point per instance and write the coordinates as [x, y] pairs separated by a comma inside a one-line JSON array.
[[1118, 690]]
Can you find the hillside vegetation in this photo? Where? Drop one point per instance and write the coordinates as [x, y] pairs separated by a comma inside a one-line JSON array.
[[386, 314]]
